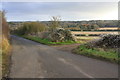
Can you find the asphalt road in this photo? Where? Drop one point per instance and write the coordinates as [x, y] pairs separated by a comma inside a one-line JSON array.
[[34, 60]]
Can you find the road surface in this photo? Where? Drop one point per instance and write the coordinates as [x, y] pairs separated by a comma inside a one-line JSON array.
[[34, 60]]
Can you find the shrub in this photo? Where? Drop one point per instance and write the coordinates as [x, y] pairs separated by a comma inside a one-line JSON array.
[[31, 28], [60, 35], [55, 23], [110, 41]]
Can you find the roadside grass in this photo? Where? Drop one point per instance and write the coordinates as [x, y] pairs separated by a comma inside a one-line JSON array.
[[0, 55], [94, 52], [48, 42], [0, 61], [5, 51], [98, 53]]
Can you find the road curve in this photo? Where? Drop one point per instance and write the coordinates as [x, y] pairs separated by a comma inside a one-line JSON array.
[[34, 60]]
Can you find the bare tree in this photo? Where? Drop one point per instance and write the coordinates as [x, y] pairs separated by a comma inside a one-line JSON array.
[[55, 23]]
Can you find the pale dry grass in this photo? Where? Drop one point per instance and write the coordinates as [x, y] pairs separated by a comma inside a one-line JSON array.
[[4, 55], [0, 58], [93, 32], [5, 45], [108, 28], [88, 37], [104, 28]]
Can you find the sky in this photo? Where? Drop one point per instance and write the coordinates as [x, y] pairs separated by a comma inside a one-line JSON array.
[[67, 11], [60, 0]]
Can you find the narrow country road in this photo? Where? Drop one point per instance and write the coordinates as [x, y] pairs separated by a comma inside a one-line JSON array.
[[34, 60]]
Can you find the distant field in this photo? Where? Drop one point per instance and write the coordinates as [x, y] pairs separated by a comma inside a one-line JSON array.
[[109, 28], [104, 28], [94, 32], [88, 37]]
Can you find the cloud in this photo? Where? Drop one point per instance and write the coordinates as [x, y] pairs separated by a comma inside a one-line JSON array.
[[60, 0], [67, 10], [0, 6]]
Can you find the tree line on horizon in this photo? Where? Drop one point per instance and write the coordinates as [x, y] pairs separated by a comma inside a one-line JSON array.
[[82, 25]]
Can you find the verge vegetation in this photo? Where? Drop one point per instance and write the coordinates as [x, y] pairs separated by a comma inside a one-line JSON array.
[[106, 48], [5, 46], [47, 41], [50, 35], [54, 34]]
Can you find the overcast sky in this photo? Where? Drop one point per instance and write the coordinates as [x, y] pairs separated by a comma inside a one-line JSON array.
[[68, 11]]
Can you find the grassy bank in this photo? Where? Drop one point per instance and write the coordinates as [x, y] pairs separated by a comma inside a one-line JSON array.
[[99, 53], [48, 42], [5, 56], [4, 45]]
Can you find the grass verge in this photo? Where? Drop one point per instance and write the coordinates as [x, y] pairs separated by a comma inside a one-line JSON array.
[[48, 42], [98, 53]]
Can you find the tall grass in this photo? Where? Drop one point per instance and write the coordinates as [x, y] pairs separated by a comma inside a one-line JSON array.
[[5, 55], [0, 55], [5, 46]]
